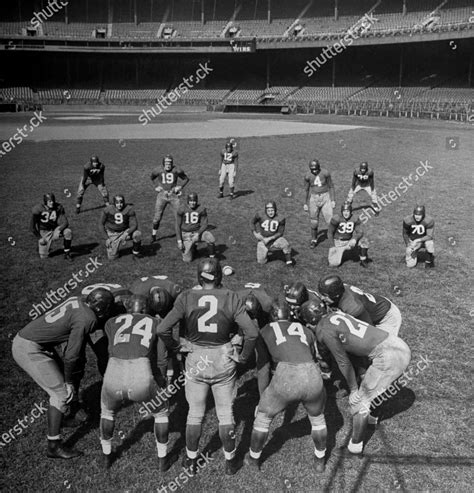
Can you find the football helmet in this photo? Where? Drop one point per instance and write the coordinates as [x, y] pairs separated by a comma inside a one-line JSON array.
[[314, 166], [49, 199], [271, 206], [192, 200], [346, 210], [280, 310], [95, 161], [253, 306], [168, 162], [121, 296], [331, 288], [419, 213], [229, 147], [119, 202], [364, 167], [296, 293], [100, 301], [209, 271], [312, 311], [137, 303], [159, 301]]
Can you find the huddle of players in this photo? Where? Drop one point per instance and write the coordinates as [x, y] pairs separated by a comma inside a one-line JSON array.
[[294, 336]]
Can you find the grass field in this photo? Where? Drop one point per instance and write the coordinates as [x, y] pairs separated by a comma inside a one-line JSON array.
[[424, 442]]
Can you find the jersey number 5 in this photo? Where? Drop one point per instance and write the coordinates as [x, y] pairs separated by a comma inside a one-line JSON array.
[[60, 310]]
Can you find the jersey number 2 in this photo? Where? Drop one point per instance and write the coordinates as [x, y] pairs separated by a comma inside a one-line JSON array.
[[209, 301]]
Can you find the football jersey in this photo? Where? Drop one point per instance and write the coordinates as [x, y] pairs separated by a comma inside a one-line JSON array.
[[267, 226], [416, 230], [133, 336], [190, 219], [48, 219], [168, 179], [115, 220], [210, 316], [288, 342], [342, 228], [363, 179], [351, 304], [143, 285], [229, 157], [319, 183], [376, 306], [70, 322], [96, 174]]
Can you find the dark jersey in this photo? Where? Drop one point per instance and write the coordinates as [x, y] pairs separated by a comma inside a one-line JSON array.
[[190, 220], [70, 322], [168, 179], [133, 336], [229, 157], [343, 229], [96, 174], [144, 285], [267, 226], [288, 342], [117, 221], [319, 183], [351, 304], [47, 219], [376, 306], [343, 334], [416, 230], [363, 179]]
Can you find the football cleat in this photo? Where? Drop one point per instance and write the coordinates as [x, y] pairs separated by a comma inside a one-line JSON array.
[[107, 461], [67, 257], [78, 209], [429, 265], [231, 467], [137, 255], [153, 238], [190, 465], [56, 450], [319, 464], [221, 195], [364, 263], [313, 244], [231, 196], [252, 463]]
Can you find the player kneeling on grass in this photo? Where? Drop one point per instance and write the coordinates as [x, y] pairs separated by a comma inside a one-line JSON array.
[[134, 343], [344, 231], [34, 350], [191, 226], [49, 223], [418, 232], [119, 222], [297, 378], [345, 335], [268, 230]]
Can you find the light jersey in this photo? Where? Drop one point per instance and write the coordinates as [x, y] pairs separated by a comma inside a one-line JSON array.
[[229, 157], [262, 296], [95, 174], [168, 179], [143, 286], [363, 179], [48, 218], [267, 226], [190, 219], [288, 342], [344, 228], [133, 336], [319, 183], [416, 230], [116, 220], [209, 316]]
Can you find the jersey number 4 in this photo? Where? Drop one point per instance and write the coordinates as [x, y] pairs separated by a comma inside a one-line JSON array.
[[143, 328], [295, 329]]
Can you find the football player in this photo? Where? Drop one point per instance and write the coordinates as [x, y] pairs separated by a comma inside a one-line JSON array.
[[135, 349], [345, 335], [34, 351], [48, 223], [418, 232], [290, 347], [363, 179], [268, 230], [191, 226], [209, 314], [345, 232], [371, 308], [119, 222], [257, 302], [93, 174], [320, 196], [168, 190], [229, 164], [296, 294]]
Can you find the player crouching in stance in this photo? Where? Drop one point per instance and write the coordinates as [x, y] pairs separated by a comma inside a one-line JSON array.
[[191, 226], [297, 378], [34, 350], [93, 174], [134, 341], [119, 222], [345, 335], [344, 231], [418, 232], [48, 223], [210, 315], [269, 230], [363, 179]]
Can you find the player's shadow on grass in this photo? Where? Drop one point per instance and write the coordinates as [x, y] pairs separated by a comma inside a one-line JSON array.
[[363, 206], [322, 236], [77, 250], [102, 206], [242, 193]]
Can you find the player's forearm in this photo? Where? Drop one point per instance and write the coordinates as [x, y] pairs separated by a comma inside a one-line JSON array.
[[185, 182]]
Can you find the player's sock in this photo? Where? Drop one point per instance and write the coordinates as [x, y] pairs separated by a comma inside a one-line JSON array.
[[191, 454], [106, 446], [232, 193], [355, 448], [67, 246], [320, 454], [162, 449], [227, 436], [255, 455]]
